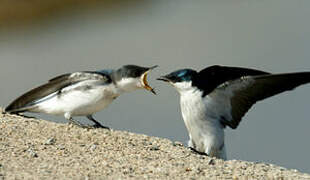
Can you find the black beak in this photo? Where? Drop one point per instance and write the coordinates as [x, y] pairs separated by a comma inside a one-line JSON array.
[[163, 78]]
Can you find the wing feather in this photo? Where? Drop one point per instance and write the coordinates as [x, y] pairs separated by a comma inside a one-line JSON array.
[[246, 91], [23, 103]]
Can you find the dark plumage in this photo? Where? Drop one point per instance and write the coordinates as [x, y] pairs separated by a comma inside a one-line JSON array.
[[211, 77]]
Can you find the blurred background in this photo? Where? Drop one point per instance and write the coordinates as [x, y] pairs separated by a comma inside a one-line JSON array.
[[43, 39]]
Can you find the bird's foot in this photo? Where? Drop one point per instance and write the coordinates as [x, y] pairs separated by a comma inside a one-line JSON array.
[[100, 126], [76, 123], [97, 124], [198, 152], [88, 126]]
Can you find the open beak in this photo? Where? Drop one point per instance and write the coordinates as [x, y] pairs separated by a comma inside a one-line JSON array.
[[144, 80]]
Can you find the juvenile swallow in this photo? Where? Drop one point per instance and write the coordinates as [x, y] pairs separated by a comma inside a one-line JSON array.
[[82, 93], [219, 96]]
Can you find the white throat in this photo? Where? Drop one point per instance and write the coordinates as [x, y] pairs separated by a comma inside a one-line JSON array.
[[128, 84], [183, 87]]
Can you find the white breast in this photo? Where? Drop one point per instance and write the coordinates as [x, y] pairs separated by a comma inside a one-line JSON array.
[[201, 119], [79, 101]]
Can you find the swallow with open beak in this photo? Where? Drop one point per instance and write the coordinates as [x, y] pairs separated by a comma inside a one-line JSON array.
[[82, 93]]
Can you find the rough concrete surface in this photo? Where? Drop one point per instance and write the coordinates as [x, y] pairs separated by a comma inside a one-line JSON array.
[[39, 149]]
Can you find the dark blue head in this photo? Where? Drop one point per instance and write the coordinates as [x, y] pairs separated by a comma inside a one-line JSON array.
[[182, 75]]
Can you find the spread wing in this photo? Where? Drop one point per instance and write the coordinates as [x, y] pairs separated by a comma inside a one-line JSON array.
[[26, 100], [246, 91]]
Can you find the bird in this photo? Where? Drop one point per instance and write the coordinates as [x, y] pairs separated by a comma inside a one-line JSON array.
[[219, 96], [82, 93]]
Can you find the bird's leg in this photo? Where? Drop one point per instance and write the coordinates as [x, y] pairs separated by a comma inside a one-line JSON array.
[[97, 124], [72, 121]]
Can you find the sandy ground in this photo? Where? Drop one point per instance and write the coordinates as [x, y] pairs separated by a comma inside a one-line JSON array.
[[39, 149]]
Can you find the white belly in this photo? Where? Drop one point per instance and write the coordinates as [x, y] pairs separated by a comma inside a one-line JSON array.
[[205, 132], [78, 102]]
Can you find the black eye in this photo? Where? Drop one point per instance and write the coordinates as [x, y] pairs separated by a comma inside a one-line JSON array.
[[134, 74], [137, 73]]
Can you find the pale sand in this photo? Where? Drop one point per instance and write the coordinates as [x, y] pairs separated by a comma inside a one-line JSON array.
[[39, 149]]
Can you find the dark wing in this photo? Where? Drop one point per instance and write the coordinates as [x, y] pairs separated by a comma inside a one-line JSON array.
[[60, 78], [56, 84], [246, 91], [211, 77]]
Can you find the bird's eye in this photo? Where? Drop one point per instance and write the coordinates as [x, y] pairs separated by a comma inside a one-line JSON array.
[[135, 74]]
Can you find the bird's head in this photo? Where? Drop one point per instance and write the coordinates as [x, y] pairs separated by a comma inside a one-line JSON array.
[[132, 77], [180, 79]]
